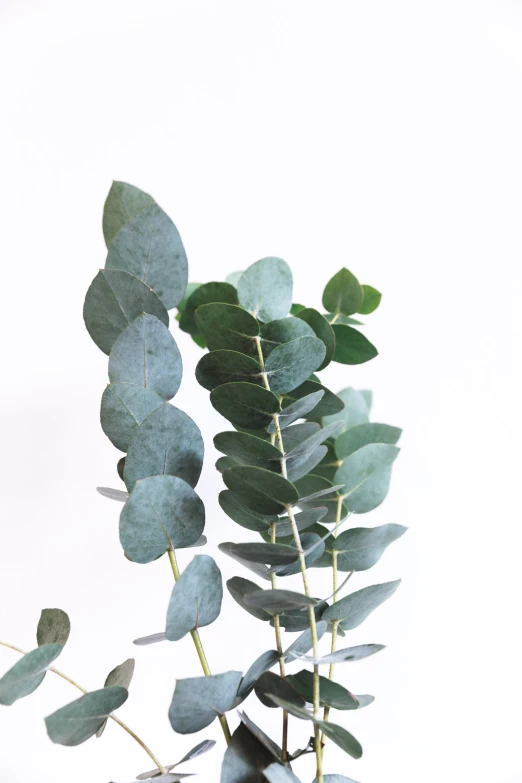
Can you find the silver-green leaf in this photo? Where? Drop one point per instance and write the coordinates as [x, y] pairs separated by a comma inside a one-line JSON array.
[[123, 408], [28, 673], [122, 204], [265, 289], [77, 722], [196, 598], [54, 627], [353, 609], [197, 701]]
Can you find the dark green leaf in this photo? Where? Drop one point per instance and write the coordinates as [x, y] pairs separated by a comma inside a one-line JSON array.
[[123, 408], [352, 347], [330, 403], [361, 547], [355, 409], [245, 758], [362, 434], [304, 642], [162, 512], [54, 627], [224, 463], [196, 598], [273, 554], [223, 367], [120, 467], [167, 442], [269, 744], [281, 331], [322, 330], [303, 520], [149, 247], [77, 722], [27, 674], [366, 476], [277, 773], [202, 295], [309, 541], [114, 299], [122, 204], [249, 450], [337, 318], [298, 433], [198, 700], [240, 589], [261, 490], [113, 494], [259, 569], [371, 301], [343, 293], [330, 693], [296, 308], [265, 289], [301, 453], [298, 620], [271, 683], [297, 410], [353, 609], [265, 662], [312, 487], [277, 601], [289, 365], [245, 405], [241, 514], [146, 354], [226, 326]]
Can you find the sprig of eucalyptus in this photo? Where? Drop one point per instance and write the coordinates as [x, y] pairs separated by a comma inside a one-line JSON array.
[[298, 464]]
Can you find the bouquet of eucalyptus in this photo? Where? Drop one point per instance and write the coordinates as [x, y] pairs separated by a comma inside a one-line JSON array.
[[298, 462]]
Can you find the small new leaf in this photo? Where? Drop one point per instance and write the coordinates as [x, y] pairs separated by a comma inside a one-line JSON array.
[[54, 627]]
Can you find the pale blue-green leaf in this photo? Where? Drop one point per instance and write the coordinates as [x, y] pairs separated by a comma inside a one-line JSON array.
[[340, 656], [263, 664], [149, 246], [265, 289], [297, 410], [269, 744], [54, 627], [364, 700], [123, 408], [119, 677], [113, 494], [259, 569], [304, 642], [353, 609], [27, 673], [356, 409], [197, 701], [196, 598], [362, 434], [167, 442], [278, 601], [122, 204], [314, 549], [240, 589], [114, 299], [366, 476], [198, 750], [329, 404], [360, 548], [146, 354], [77, 722], [162, 512], [153, 638], [297, 620], [277, 773], [289, 365], [298, 433], [233, 278], [249, 450]]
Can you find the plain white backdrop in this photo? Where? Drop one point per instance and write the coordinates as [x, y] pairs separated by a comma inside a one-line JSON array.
[[384, 136]]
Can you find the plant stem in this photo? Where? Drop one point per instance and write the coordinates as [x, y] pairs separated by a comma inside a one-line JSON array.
[[112, 717], [302, 563], [199, 647], [279, 646]]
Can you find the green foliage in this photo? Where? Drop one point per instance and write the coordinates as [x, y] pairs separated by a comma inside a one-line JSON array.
[[352, 347], [203, 295], [196, 598], [28, 673], [54, 627], [123, 408], [265, 289], [77, 722], [352, 610], [122, 204], [371, 301], [343, 294], [197, 701]]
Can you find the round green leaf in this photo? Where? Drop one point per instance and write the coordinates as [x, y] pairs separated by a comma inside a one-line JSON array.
[[249, 450], [270, 683], [167, 442], [149, 246], [352, 347], [197, 701], [233, 278], [121, 676], [245, 404], [240, 589], [371, 301], [77, 722], [289, 365], [265, 289], [122, 204], [281, 331], [123, 408], [277, 773], [322, 330], [343, 293], [261, 490], [146, 354], [54, 627], [362, 434], [353, 609], [366, 476], [220, 367], [196, 598], [330, 693], [361, 548], [162, 512], [227, 326], [202, 295], [114, 299], [27, 673], [242, 515]]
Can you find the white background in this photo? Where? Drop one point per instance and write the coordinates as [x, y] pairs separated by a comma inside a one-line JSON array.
[[384, 136]]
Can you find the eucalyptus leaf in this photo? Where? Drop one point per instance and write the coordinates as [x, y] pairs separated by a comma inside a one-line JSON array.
[[364, 700], [303, 520], [245, 404], [120, 676], [262, 664], [298, 620], [145, 354], [270, 683], [331, 694], [223, 367], [304, 643], [54, 627], [28, 673], [283, 330], [351, 346], [162, 512], [167, 442], [277, 773], [242, 515], [259, 569], [303, 449], [361, 547], [245, 758], [153, 638], [265, 289], [362, 434], [261, 490], [371, 301], [113, 494], [278, 601], [329, 405], [196, 598], [249, 450], [366, 476], [312, 487], [336, 779], [265, 740], [353, 609], [123, 408], [224, 463], [240, 589], [198, 750], [322, 330], [122, 204], [289, 365], [120, 467], [343, 293], [197, 701], [339, 656], [297, 410], [356, 409], [114, 299], [297, 434], [314, 549], [272, 554], [227, 326], [77, 722], [202, 295], [338, 318], [233, 277]]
